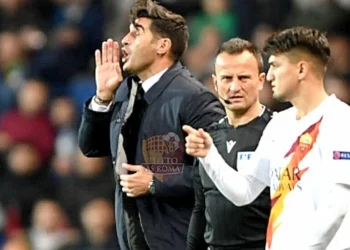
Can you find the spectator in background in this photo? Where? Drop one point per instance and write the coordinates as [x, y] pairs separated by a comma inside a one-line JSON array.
[[13, 63], [50, 228], [63, 117], [98, 222], [30, 121], [77, 30], [216, 14], [65, 54], [28, 18], [90, 178], [17, 14], [25, 182], [199, 58], [86, 15]]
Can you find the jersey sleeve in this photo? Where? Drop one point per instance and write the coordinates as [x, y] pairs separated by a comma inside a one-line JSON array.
[[259, 165], [335, 151], [236, 187]]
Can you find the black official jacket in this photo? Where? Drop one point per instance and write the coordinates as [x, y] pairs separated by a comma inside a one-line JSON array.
[[159, 221], [215, 220]]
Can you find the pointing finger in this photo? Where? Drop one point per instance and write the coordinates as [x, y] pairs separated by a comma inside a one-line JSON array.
[[189, 129], [194, 139], [202, 133]]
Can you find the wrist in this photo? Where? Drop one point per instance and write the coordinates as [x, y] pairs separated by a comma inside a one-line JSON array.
[[151, 187], [103, 101]]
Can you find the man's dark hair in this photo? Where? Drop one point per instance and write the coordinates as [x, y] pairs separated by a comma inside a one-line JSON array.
[[310, 40], [236, 46], [165, 24]]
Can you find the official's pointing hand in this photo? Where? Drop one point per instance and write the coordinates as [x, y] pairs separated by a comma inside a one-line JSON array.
[[198, 142]]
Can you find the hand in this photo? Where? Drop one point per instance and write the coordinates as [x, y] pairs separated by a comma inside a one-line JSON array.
[[108, 72], [198, 142], [136, 184]]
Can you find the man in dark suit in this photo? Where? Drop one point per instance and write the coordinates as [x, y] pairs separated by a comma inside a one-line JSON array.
[[138, 120]]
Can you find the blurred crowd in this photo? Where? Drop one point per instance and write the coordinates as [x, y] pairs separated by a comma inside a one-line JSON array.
[[51, 196]]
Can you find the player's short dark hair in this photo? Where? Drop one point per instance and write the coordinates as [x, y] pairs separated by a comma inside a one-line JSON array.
[[310, 40], [165, 24], [236, 46]]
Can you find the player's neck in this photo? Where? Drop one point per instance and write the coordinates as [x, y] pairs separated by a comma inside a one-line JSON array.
[[309, 98], [156, 67], [236, 118]]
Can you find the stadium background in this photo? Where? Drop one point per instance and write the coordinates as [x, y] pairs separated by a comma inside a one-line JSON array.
[[50, 195]]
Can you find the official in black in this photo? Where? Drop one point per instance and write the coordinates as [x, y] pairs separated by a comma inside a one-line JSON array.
[[216, 223], [138, 122]]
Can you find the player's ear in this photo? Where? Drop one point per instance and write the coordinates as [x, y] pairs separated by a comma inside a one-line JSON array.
[[262, 77], [303, 68], [163, 46]]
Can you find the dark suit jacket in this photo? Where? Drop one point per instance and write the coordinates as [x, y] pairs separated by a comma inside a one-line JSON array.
[[160, 220]]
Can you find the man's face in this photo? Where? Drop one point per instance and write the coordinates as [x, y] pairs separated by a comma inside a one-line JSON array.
[[283, 76], [238, 80], [139, 47]]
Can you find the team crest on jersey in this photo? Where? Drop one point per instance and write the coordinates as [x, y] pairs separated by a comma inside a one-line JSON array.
[[305, 141], [341, 155]]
